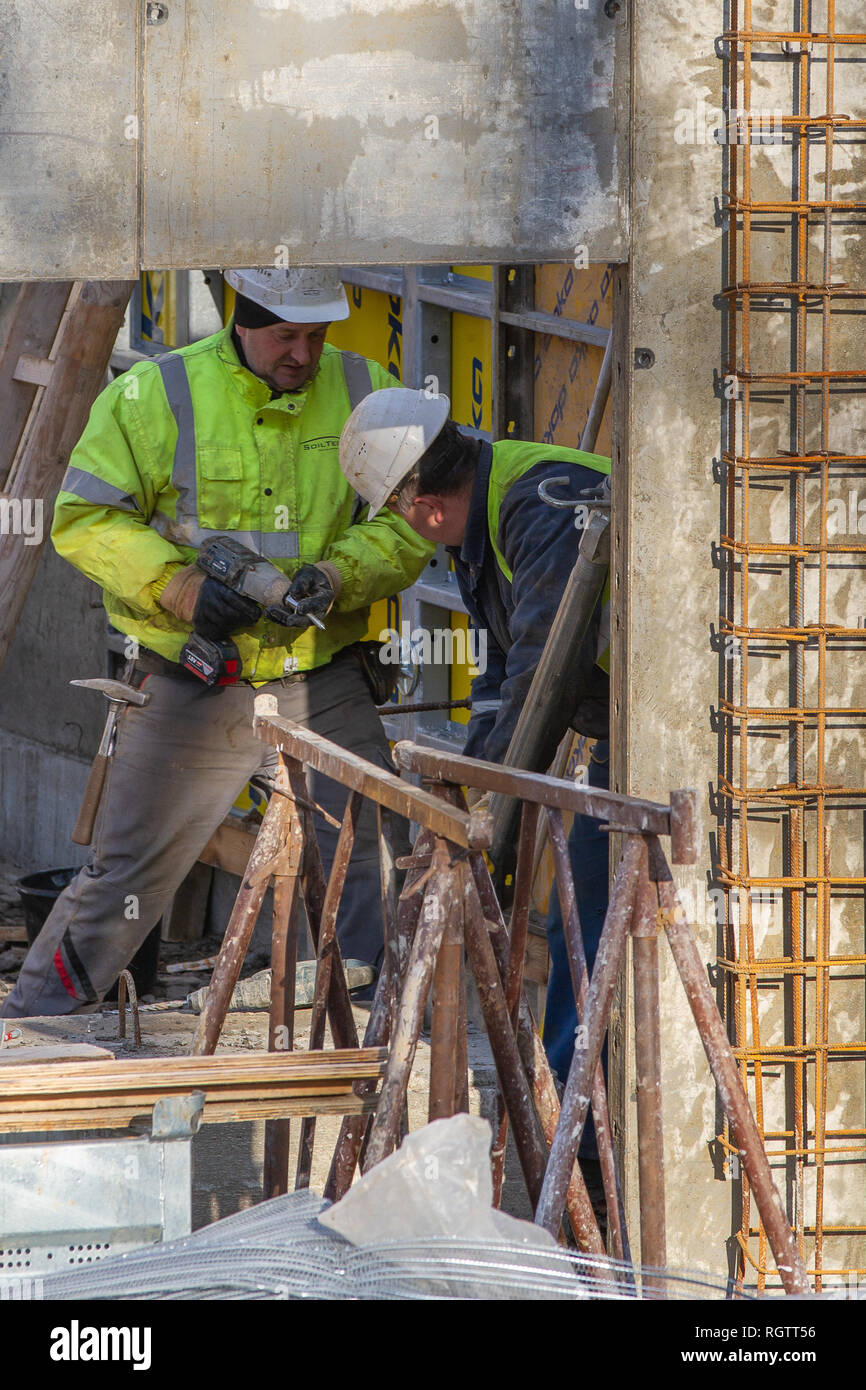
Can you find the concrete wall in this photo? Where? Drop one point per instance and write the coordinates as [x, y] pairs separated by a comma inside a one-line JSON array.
[[318, 116], [49, 730], [667, 506], [666, 509]]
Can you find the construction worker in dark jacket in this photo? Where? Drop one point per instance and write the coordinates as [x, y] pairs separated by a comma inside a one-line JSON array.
[[513, 554]]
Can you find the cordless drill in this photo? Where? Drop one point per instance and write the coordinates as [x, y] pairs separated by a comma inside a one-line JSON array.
[[216, 660]]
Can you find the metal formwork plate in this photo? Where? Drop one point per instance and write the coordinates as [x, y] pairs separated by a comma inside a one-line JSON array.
[[379, 131], [70, 1203], [306, 131], [68, 151]]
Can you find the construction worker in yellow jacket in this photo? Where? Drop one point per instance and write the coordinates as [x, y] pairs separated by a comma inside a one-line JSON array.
[[236, 435]]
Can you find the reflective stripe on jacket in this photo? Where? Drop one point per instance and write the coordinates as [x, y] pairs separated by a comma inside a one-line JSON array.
[[192, 445]]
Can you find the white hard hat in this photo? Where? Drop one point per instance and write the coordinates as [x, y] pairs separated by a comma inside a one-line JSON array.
[[385, 436], [298, 295]]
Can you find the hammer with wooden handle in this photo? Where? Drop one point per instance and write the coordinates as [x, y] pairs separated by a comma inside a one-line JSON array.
[[119, 694]]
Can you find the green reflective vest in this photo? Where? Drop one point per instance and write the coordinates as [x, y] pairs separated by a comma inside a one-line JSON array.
[[511, 459], [192, 445]]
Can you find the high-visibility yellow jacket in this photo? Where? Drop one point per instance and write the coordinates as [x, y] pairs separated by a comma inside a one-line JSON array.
[[191, 445]]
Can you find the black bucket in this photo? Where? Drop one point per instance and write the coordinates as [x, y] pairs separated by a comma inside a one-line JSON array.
[[38, 894]]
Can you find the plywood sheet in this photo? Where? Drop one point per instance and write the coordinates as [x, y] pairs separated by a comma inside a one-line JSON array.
[[566, 372]]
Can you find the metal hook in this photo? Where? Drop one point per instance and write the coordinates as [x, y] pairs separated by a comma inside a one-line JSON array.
[[597, 499], [544, 493]]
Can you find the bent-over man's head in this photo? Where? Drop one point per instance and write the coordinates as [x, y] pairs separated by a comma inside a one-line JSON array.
[[399, 449]]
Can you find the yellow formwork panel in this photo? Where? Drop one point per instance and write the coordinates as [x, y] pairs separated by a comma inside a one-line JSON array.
[[475, 272], [566, 372], [472, 361], [461, 681], [384, 617], [471, 371], [471, 404], [159, 307], [374, 328]]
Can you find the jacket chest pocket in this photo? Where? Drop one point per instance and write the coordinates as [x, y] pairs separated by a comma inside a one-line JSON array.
[[220, 487]]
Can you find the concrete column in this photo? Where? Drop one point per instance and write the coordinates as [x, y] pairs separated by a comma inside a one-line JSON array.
[[666, 591]]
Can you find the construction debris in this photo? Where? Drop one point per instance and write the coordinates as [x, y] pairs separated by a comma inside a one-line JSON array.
[[438, 1183], [255, 991], [282, 1249]]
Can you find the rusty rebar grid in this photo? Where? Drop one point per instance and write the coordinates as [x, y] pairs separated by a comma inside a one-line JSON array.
[[814, 792]]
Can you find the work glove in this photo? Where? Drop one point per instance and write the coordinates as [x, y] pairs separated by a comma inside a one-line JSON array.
[[179, 595], [219, 611], [212, 608], [315, 587]]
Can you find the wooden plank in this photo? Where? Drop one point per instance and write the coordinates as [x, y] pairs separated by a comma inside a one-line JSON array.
[[229, 847], [31, 327], [215, 1112], [35, 370], [140, 1101], [648, 817], [55, 1052], [80, 358], [167, 1074], [12, 932], [380, 786]]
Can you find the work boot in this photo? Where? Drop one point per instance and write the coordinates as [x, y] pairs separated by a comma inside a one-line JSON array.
[[363, 994]]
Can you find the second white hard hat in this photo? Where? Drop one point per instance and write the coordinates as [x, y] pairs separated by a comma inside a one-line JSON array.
[[385, 436], [297, 294]]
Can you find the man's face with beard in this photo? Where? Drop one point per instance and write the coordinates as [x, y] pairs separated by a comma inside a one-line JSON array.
[[285, 355]]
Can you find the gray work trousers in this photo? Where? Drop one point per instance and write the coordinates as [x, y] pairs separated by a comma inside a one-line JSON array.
[[180, 761]]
